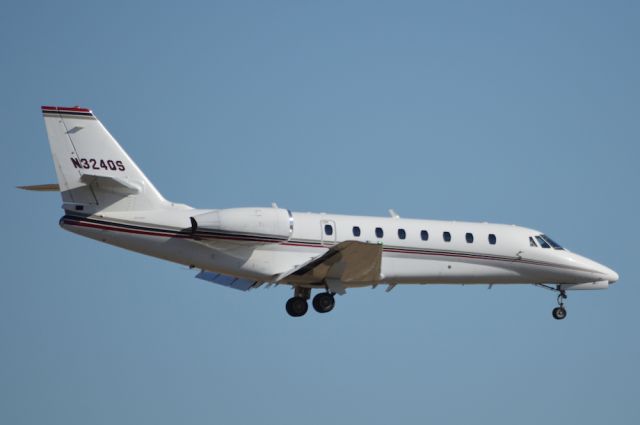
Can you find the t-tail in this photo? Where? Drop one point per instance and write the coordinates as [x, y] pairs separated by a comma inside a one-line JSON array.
[[94, 172]]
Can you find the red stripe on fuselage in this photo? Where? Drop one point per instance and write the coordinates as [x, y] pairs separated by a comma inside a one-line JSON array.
[[168, 234], [174, 234], [124, 230]]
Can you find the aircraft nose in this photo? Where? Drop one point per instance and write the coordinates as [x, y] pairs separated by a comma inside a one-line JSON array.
[[598, 271], [611, 275], [607, 273]]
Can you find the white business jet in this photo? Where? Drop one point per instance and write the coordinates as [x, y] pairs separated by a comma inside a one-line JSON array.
[[107, 198]]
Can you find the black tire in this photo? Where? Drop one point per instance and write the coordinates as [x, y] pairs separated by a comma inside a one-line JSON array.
[[324, 302], [297, 306], [559, 313]]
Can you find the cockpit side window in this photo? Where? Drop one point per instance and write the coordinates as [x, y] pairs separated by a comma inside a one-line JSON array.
[[551, 242], [532, 242], [542, 242]]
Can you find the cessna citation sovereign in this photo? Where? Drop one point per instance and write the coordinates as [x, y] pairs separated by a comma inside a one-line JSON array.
[[107, 198]]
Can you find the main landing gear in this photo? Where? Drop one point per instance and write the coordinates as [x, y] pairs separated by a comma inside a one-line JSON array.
[[297, 305]]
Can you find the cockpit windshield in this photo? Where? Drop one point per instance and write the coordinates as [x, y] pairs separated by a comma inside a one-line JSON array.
[[542, 242], [551, 242]]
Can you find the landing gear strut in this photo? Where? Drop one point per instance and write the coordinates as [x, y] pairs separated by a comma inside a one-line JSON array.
[[559, 312]]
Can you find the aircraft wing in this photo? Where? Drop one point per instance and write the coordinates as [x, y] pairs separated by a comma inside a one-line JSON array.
[[346, 262]]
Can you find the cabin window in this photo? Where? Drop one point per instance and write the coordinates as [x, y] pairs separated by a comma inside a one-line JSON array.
[[402, 234], [532, 242], [446, 236], [542, 242], [379, 232], [328, 229], [424, 235], [492, 239], [356, 231], [469, 237]]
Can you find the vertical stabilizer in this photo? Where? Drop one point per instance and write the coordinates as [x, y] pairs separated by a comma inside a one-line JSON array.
[[94, 172]]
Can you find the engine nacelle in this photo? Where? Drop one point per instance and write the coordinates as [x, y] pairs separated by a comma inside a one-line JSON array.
[[253, 224]]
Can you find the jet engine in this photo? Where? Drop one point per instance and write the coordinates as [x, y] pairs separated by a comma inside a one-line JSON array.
[[260, 223]]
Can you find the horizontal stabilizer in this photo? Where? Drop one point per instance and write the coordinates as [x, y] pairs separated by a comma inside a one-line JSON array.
[[228, 281], [51, 187], [111, 184]]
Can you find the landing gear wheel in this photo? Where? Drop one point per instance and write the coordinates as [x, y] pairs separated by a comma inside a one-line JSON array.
[[297, 306], [559, 313], [324, 302]]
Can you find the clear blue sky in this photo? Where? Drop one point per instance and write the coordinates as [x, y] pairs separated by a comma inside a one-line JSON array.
[[516, 112]]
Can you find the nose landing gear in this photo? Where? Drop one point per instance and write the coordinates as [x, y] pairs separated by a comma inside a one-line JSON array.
[[559, 312]]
